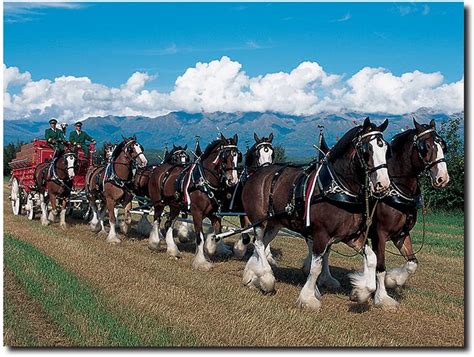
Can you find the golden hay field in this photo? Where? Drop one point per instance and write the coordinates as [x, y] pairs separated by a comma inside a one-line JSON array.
[[70, 288]]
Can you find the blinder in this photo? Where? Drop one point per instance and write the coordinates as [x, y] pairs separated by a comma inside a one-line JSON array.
[[364, 149], [422, 147]]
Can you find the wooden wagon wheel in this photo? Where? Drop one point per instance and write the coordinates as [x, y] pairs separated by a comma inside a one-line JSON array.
[[15, 197]]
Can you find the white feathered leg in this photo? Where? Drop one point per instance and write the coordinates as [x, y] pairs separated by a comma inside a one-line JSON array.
[[309, 296], [381, 298], [397, 277], [364, 283], [200, 262], [155, 236], [171, 247], [44, 210]]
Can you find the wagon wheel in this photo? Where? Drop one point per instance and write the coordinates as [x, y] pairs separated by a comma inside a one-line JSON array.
[[29, 207], [15, 197]]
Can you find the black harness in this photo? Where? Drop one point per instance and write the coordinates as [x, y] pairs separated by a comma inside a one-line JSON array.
[[53, 176]]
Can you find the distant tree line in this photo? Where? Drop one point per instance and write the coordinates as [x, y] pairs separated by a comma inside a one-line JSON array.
[[9, 153]]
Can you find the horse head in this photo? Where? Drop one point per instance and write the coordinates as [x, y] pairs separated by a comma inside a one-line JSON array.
[[134, 151], [371, 148], [431, 148], [69, 155], [225, 156], [178, 155], [262, 151]]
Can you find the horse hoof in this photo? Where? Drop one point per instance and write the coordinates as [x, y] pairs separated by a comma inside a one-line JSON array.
[[45, 223], [309, 304], [64, 227], [202, 266], [360, 295], [113, 240], [386, 303], [174, 255]]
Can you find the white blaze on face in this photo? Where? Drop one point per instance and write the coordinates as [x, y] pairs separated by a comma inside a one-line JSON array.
[[235, 178], [439, 172], [142, 161], [183, 158], [380, 178], [265, 155], [70, 165]]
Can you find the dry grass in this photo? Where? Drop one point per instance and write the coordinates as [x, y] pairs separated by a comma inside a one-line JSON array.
[[219, 311]]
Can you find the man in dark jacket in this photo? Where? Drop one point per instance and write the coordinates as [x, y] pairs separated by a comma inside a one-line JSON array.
[[54, 136], [78, 138]]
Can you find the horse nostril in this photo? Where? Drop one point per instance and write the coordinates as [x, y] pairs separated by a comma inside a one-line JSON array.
[[439, 179]]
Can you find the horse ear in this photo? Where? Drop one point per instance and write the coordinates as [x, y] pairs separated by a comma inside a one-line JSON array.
[[366, 124], [123, 137], [134, 137], [417, 125], [186, 147], [174, 146], [384, 125], [222, 137], [270, 138], [433, 123], [236, 139], [255, 136]]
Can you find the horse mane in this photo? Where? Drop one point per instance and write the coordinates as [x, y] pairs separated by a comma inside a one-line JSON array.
[[212, 145], [340, 147], [250, 154], [118, 149], [400, 139]]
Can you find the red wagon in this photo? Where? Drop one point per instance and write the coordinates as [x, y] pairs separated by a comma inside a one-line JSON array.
[[24, 195]]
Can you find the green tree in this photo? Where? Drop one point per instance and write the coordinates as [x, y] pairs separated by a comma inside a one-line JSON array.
[[9, 153], [452, 196], [280, 154]]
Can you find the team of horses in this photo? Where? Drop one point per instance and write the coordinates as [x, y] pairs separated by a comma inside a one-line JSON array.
[[361, 189]]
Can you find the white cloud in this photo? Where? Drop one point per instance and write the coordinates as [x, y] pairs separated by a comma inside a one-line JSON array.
[[17, 12], [344, 18], [223, 85]]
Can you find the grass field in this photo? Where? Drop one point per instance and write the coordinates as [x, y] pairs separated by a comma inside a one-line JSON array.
[[72, 289]]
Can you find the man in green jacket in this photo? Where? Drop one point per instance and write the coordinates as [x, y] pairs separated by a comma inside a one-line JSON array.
[[54, 136], [78, 138]]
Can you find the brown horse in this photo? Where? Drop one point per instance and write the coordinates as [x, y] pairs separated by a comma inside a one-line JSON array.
[[323, 203], [177, 156], [260, 154], [112, 184], [54, 182], [415, 151], [200, 188]]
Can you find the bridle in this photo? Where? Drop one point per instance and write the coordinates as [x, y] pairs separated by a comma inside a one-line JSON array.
[[267, 146], [176, 156], [221, 158], [131, 157], [363, 148], [422, 149]]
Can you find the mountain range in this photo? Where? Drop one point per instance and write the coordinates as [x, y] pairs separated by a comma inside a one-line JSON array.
[[296, 133]]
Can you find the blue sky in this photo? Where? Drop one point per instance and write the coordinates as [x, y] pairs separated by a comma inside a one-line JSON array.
[[75, 60], [108, 42]]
